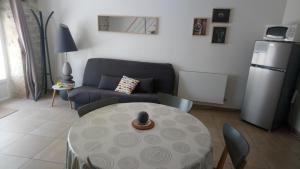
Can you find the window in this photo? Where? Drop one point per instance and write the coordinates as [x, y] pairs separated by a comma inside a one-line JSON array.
[[2, 65]]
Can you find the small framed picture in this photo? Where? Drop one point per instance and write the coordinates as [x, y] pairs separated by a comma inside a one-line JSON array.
[[221, 15], [200, 26], [219, 35]]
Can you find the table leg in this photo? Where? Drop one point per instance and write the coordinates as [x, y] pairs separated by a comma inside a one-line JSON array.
[[53, 97], [69, 100]]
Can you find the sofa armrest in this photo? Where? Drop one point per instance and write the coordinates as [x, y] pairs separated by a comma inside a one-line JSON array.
[[74, 93], [84, 95]]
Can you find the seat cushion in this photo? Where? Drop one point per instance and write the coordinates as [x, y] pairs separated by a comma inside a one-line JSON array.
[[84, 95], [135, 97]]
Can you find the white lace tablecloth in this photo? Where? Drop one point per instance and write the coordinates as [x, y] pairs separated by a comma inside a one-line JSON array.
[[178, 140]]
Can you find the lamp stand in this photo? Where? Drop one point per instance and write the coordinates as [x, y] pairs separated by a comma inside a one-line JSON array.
[[67, 71]]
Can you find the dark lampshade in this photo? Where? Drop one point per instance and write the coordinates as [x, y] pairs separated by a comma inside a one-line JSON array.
[[65, 40]]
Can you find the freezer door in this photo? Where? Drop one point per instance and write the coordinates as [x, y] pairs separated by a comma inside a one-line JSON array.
[[262, 95], [272, 54]]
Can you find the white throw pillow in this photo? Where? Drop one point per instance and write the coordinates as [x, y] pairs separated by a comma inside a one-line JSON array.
[[127, 85]]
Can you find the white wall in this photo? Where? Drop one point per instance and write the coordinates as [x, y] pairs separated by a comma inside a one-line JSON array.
[[175, 43], [3, 90], [292, 12]]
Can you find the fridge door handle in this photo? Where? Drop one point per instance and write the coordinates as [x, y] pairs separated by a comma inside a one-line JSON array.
[[268, 67]]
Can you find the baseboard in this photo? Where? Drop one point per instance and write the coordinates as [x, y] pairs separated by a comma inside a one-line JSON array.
[[207, 106]]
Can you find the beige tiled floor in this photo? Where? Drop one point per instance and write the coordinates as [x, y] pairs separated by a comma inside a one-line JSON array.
[[37, 164], [55, 152], [11, 161], [27, 146], [35, 137]]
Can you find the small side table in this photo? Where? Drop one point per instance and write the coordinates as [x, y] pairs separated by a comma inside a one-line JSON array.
[[56, 88]]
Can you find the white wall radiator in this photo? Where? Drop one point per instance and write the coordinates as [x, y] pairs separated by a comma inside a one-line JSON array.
[[202, 87]]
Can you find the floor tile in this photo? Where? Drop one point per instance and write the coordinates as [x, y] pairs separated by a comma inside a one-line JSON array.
[[45, 114], [37, 164], [27, 146], [21, 125], [64, 135], [7, 138], [55, 152], [68, 117], [51, 129], [11, 162]]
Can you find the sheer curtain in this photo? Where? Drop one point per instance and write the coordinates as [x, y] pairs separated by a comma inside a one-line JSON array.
[[2, 60], [29, 67], [22, 51], [12, 52], [4, 93]]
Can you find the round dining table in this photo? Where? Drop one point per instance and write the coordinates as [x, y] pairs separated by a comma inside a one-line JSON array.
[[106, 135]]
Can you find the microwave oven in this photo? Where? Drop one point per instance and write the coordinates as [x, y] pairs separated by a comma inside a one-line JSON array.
[[289, 33]]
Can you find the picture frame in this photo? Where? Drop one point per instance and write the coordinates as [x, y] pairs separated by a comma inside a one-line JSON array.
[[219, 34], [200, 26], [147, 25], [221, 15]]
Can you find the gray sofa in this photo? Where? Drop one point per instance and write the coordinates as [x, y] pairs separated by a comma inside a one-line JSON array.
[[158, 77]]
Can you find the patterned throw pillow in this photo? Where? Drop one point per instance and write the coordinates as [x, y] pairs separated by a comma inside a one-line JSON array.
[[127, 85]]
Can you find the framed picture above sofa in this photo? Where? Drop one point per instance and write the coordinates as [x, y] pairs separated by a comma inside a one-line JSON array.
[[221, 15], [200, 26], [219, 34]]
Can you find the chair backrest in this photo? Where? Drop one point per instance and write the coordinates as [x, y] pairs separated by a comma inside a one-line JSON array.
[[95, 105], [169, 100], [236, 145]]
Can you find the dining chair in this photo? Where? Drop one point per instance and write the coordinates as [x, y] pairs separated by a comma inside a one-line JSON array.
[[90, 164], [173, 101], [236, 146], [95, 105]]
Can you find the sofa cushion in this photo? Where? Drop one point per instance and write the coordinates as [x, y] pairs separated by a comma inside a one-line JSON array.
[[84, 95], [109, 82], [135, 97], [145, 86], [127, 85]]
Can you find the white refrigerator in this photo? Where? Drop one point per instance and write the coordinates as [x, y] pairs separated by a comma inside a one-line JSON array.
[[271, 83], [294, 117]]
